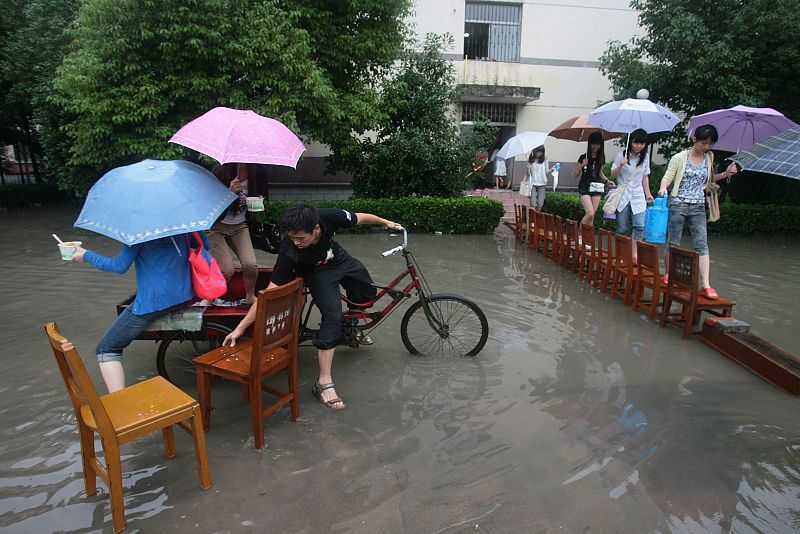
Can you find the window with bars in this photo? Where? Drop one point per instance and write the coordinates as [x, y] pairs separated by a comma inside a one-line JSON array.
[[492, 31], [495, 113]]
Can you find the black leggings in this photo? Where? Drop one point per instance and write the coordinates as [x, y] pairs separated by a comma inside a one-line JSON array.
[[324, 283]]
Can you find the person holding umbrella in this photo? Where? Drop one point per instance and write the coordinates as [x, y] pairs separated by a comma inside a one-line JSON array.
[[150, 207], [631, 170], [591, 185], [691, 172], [232, 232]]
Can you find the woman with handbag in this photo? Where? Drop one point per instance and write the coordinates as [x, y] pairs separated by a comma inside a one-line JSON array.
[[163, 282], [231, 234], [631, 170], [592, 181], [538, 167], [692, 172]]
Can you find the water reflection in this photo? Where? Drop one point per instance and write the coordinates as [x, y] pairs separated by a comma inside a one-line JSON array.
[[579, 414]]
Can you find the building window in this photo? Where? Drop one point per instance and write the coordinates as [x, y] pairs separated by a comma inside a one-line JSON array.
[[492, 31], [490, 111]]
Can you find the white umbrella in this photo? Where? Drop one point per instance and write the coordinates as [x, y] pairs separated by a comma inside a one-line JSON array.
[[521, 144]]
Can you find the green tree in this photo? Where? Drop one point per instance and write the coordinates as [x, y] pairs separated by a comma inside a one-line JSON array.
[[32, 44], [695, 57], [140, 69], [419, 150]]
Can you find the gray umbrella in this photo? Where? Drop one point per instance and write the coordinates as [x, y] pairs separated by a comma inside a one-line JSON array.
[[780, 154]]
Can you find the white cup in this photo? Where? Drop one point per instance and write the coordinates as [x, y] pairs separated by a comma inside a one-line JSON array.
[[68, 248], [255, 203]]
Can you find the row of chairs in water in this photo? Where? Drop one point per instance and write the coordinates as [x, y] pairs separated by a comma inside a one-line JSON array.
[[606, 260]]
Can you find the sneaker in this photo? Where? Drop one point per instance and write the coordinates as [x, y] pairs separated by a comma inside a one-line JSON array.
[[665, 279]]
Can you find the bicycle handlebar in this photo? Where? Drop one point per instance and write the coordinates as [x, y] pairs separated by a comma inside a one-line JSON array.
[[398, 248]]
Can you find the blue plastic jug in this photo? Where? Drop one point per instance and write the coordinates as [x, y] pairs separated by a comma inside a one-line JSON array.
[[655, 221]]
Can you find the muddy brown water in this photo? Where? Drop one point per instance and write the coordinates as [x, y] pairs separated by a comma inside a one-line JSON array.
[[578, 416]]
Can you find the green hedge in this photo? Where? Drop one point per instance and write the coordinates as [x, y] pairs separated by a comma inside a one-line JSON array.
[[27, 195], [459, 215], [734, 218]]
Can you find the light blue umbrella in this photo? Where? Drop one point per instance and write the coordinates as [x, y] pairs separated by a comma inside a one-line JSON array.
[[154, 199], [625, 116]]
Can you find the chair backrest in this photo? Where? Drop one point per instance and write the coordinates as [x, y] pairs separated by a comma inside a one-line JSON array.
[[277, 320], [683, 268], [531, 218], [539, 220], [571, 231], [587, 238], [648, 258], [549, 222], [78, 382], [623, 249], [605, 241]]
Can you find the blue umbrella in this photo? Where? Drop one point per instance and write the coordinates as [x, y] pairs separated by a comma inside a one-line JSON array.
[[776, 155], [154, 199]]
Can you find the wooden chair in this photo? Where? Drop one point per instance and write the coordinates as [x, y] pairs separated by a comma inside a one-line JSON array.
[[272, 348], [519, 227], [549, 247], [572, 249], [648, 277], [605, 261], [123, 416], [682, 288], [558, 239], [530, 229], [623, 273], [538, 230], [587, 262]]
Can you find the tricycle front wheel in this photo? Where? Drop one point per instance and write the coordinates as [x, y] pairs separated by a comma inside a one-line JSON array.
[[459, 327], [176, 352]]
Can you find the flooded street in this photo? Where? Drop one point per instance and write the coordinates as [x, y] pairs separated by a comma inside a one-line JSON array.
[[578, 416]]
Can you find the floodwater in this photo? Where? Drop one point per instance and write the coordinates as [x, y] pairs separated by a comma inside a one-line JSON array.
[[578, 416]]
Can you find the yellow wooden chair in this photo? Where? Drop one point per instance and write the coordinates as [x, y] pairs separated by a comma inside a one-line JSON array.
[[123, 416]]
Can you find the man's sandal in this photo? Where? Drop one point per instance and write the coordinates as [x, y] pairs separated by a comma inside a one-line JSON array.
[[335, 403], [363, 339]]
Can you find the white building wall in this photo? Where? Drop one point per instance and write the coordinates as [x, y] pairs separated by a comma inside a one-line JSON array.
[[560, 46]]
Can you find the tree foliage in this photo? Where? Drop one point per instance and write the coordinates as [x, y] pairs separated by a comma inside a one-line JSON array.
[[419, 150], [695, 57], [139, 69], [32, 43]]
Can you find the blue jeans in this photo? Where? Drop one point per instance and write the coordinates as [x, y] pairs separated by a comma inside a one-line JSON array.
[[624, 223], [125, 328], [693, 215]]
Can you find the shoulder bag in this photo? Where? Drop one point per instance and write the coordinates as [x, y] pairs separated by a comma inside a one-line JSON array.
[[207, 279]]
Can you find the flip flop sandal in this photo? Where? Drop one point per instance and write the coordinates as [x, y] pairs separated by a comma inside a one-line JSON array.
[[317, 391], [709, 293]]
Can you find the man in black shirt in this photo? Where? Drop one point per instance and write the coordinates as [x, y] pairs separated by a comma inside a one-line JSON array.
[[309, 251]]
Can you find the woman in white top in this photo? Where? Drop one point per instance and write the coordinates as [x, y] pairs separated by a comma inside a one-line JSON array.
[[631, 169], [538, 167]]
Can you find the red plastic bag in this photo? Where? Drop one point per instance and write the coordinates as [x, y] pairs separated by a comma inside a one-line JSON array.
[[207, 279]]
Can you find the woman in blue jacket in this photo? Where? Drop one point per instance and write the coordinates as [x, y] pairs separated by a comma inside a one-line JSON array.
[[163, 282]]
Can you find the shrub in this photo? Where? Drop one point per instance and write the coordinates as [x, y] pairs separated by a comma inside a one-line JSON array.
[[734, 218], [759, 188], [456, 215]]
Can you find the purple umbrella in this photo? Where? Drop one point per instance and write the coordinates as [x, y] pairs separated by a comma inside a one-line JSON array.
[[241, 136], [741, 127]]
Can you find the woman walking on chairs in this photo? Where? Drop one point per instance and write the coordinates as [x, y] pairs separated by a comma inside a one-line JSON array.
[[592, 180], [692, 172], [631, 170]]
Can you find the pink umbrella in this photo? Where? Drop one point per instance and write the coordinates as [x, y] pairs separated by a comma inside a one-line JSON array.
[[741, 127], [241, 136]]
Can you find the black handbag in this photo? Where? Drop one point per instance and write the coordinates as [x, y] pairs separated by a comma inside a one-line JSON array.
[[264, 236]]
